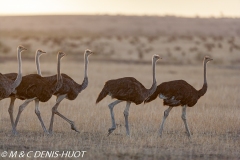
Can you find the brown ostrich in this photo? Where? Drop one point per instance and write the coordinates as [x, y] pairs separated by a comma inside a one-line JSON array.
[[179, 93], [35, 87], [70, 90], [127, 89], [13, 76], [7, 85]]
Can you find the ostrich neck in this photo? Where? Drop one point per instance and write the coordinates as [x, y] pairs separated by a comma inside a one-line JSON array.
[[38, 64], [59, 76], [204, 73], [203, 90], [19, 76], [86, 66], [85, 80], [154, 84]]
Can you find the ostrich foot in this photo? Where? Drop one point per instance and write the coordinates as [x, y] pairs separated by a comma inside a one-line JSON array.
[[50, 132], [46, 133], [73, 127], [14, 132], [110, 130], [189, 135], [160, 135]]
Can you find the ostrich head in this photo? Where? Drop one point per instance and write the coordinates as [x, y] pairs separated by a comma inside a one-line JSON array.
[[156, 57], [61, 54], [207, 59], [21, 48], [40, 52], [88, 52]]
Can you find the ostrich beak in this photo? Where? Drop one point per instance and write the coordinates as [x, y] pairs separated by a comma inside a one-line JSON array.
[[159, 57], [64, 54]]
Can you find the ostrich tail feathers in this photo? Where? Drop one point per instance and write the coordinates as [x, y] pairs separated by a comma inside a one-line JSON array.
[[102, 95]]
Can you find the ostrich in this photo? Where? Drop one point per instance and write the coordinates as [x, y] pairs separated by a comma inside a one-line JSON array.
[[12, 81], [35, 87], [13, 76], [127, 89], [7, 85], [179, 93], [70, 90]]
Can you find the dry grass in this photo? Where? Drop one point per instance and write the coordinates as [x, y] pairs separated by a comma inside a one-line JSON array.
[[214, 121]]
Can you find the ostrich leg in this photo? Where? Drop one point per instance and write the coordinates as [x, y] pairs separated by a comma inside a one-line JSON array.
[[39, 116], [10, 110], [126, 117], [185, 120], [111, 105], [166, 113], [21, 108], [55, 111]]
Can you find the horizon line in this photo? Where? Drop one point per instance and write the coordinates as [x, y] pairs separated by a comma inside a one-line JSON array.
[[117, 14]]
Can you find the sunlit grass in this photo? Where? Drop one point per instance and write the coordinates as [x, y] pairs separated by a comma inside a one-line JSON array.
[[214, 120]]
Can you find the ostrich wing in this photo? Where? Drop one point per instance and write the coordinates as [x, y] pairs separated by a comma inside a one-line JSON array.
[[5, 86], [126, 89], [174, 93]]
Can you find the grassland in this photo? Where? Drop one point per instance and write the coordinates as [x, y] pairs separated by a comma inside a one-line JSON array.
[[214, 120]]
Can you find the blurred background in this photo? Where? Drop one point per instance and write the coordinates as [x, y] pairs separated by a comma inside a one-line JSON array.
[[124, 31]]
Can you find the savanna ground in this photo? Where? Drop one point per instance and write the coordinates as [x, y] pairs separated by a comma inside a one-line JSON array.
[[125, 49]]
